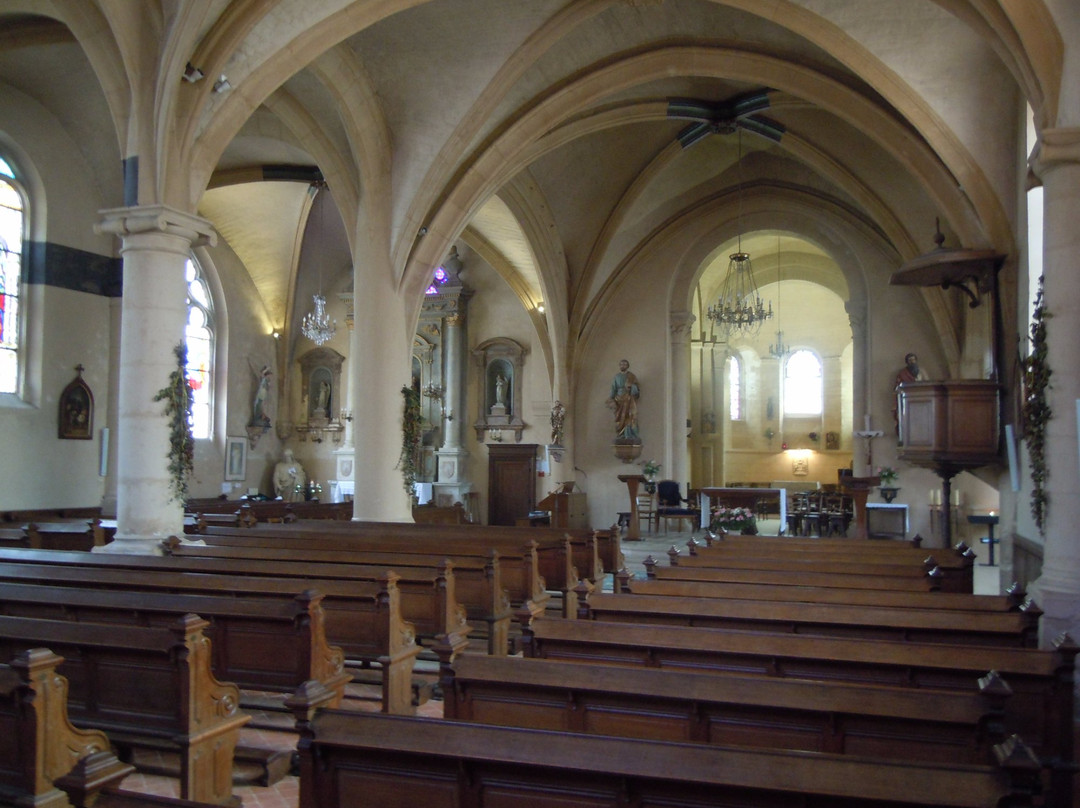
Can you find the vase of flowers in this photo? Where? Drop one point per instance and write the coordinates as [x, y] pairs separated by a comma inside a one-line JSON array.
[[733, 520], [650, 470], [887, 488]]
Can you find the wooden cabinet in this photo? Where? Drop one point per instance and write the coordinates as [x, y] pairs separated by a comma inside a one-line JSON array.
[[511, 482]]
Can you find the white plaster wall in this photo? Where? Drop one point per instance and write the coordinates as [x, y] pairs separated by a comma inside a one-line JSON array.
[[495, 311], [40, 470]]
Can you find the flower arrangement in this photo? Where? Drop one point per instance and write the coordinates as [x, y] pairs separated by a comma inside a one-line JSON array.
[[651, 469], [887, 474], [733, 520]]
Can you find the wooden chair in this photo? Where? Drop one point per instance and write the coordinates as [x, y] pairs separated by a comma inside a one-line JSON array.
[[646, 510]]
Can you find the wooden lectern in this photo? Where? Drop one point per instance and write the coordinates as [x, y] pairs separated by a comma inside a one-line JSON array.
[[633, 530], [859, 488]]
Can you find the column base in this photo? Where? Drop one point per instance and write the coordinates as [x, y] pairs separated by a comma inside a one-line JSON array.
[[1060, 605], [132, 545]]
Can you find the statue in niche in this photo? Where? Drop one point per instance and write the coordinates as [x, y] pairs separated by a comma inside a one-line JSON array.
[[500, 389], [322, 400]]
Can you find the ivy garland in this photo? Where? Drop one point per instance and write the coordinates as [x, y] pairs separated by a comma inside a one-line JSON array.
[[411, 432], [177, 398], [1036, 409]]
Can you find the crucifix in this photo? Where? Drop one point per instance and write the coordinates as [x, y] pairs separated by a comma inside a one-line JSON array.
[[869, 434]]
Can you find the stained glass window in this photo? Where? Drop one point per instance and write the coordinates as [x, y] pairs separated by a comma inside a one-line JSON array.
[[11, 245], [803, 393], [437, 281], [200, 356]]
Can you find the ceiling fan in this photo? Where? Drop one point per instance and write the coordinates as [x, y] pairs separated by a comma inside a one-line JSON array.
[[724, 117]]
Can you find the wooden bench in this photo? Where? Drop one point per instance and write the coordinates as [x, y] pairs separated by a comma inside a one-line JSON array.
[[956, 565], [902, 624], [145, 687], [366, 760], [266, 643], [925, 582], [673, 705], [61, 535], [76, 513], [519, 566], [44, 759], [434, 589], [1016, 600], [1040, 709], [270, 510], [427, 593], [813, 563], [364, 618]]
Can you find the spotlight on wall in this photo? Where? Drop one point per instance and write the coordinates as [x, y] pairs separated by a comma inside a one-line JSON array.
[[222, 85], [276, 334], [540, 308], [192, 73]]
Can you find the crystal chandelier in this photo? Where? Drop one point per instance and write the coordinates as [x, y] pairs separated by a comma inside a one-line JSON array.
[[739, 307], [317, 325]]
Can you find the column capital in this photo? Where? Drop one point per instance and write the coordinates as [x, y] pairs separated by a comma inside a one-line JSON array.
[[455, 319], [1057, 147], [154, 219], [856, 312], [679, 322]]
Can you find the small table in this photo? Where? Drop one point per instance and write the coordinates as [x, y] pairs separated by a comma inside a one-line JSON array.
[[988, 519]]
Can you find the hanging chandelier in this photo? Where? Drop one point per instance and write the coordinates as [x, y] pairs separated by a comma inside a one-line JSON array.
[[779, 350], [739, 309], [317, 325]]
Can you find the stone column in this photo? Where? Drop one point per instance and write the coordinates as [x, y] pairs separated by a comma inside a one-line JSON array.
[[860, 404], [1057, 591], [345, 455], [679, 323], [156, 244]]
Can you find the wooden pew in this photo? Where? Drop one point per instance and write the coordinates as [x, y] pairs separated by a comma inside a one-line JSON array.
[[903, 624], [61, 535], [1016, 601], [427, 593], [812, 563], [146, 687], [364, 618], [1040, 709], [956, 565], [44, 759], [926, 582], [266, 643], [367, 760], [78, 513], [519, 566], [682, 706], [461, 582]]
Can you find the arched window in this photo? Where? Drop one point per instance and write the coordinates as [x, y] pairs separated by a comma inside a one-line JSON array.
[[12, 223], [200, 347], [734, 388], [438, 279], [803, 384]]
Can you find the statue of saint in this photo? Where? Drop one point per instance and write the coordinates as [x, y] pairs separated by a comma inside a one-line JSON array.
[[289, 478], [910, 372], [259, 416], [623, 400]]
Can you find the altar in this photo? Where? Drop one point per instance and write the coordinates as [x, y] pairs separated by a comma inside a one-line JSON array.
[[742, 498]]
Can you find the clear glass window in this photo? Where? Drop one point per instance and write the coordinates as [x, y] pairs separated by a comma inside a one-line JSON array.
[[12, 220], [734, 388], [803, 392]]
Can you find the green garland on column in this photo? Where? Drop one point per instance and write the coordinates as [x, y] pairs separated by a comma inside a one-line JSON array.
[[1036, 409], [177, 398], [412, 428]]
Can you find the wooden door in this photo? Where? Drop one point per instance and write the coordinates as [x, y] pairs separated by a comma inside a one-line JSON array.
[[511, 482]]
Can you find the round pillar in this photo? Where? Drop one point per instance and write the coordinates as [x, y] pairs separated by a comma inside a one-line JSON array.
[[156, 244], [1057, 591]]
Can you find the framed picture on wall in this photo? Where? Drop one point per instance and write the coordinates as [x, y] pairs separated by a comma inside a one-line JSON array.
[[76, 420], [235, 458]]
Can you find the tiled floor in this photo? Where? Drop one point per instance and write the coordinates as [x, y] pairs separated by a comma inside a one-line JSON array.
[[285, 793]]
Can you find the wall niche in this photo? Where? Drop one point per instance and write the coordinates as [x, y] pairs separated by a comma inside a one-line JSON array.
[[499, 364]]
